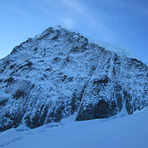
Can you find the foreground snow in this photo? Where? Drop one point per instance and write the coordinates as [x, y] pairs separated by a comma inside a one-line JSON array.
[[128, 131]]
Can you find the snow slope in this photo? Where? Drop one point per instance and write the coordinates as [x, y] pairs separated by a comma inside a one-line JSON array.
[[125, 132]]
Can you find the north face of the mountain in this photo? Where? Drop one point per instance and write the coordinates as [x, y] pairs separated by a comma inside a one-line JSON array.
[[60, 74]]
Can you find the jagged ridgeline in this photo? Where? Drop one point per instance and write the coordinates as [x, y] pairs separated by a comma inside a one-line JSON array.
[[61, 74]]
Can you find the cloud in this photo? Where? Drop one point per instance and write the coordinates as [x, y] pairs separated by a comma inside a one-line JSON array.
[[17, 11], [140, 9], [64, 12], [136, 6], [67, 21], [74, 5], [43, 9], [100, 31], [114, 3]]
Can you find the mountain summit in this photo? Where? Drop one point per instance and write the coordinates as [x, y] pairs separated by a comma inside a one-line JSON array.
[[62, 75]]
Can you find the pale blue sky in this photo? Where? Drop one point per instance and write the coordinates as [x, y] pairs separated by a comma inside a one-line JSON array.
[[123, 22]]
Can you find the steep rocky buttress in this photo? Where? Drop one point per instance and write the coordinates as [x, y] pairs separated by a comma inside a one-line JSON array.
[[60, 74]]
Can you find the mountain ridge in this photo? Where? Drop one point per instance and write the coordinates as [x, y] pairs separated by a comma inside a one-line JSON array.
[[121, 50]]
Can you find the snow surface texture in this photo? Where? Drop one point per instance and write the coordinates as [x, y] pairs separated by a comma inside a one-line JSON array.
[[124, 132], [60, 76]]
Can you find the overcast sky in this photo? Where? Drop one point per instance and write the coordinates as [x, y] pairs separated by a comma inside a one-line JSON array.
[[124, 22]]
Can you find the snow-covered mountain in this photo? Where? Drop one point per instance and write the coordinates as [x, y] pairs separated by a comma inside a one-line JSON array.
[[61, 76]]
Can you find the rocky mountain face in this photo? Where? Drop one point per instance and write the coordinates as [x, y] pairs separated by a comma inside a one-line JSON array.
[[60, 74]]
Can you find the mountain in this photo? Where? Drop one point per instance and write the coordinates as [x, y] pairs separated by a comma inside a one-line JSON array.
[[61, 75]]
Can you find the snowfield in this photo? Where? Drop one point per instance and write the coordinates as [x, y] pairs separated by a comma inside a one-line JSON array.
[[129, 131]]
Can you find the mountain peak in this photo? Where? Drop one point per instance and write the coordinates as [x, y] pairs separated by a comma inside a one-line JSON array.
[[120, 50], [60, 74]]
